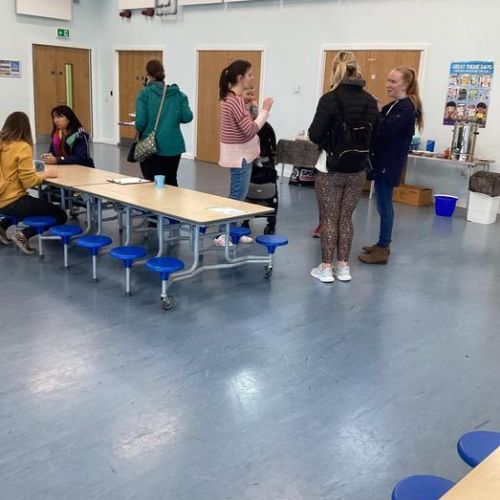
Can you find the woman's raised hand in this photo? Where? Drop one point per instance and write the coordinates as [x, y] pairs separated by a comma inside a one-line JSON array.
[[268, 103]]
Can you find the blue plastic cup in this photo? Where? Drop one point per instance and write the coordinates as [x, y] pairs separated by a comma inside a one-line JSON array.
[[159, 181], [429, 145]]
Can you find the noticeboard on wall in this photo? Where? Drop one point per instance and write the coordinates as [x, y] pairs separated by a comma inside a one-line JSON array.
[[136, 4], [10, 68], [468, 96], [52, 9]]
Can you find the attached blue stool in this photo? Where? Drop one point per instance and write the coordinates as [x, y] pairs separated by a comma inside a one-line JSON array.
[[127, 255], [475, 446], [271, 242], [65, 232], [39, 223], [421, 488], [165, 266], [235, 233], [94, 242]]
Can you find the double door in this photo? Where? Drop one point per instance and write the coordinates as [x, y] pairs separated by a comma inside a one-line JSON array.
[[132, 76], [210, 65], [62, 76], [375, 66]]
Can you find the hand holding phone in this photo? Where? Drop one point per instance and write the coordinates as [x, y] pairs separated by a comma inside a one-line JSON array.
[[50, 172]]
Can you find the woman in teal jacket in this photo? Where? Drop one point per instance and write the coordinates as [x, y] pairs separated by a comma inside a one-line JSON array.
[[169, 138]]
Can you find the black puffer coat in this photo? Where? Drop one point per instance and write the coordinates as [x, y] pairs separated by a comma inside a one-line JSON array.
[[356, 106]]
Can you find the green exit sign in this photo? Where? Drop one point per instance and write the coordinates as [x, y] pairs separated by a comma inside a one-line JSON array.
[[62, 33]]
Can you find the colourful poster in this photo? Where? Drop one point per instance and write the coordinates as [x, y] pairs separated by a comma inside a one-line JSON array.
[[10, 69], [469, 88]]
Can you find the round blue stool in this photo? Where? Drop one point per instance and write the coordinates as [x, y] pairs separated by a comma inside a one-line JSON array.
[[271, 242], [165, 266], [127, 254], [475, 446], [39, 223], [94, 242], [236, 233], [65, 232], [421, 488]]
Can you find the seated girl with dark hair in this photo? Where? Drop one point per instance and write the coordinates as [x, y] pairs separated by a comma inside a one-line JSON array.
[[69, 142]]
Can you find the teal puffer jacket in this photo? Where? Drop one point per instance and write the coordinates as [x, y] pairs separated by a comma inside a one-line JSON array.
[[175, 111]]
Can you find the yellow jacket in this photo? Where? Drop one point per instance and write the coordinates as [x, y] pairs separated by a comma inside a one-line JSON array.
[[17, 173]]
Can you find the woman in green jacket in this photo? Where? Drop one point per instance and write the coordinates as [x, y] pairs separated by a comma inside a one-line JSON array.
[[169, 138]]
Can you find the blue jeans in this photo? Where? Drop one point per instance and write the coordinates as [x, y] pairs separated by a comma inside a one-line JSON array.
[[383, 192], [240, 181]]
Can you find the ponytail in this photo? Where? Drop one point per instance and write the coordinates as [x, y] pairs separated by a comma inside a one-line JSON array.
[[229, 76], [412, 91], [345, 66]]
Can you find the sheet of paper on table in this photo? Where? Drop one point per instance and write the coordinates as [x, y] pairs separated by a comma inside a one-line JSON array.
[[128, 180], [227, 210]]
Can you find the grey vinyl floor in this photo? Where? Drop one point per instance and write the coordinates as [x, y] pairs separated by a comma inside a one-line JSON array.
[[250, 389]]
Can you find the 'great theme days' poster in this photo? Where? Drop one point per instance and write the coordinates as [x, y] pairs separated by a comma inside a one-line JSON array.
[[469, 88]]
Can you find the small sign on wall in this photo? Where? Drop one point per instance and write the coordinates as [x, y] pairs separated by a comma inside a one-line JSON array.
[[62, 33], [10, 69], [468, 96]]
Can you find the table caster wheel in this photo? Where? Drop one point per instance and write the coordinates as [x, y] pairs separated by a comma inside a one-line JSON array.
[[168, 302], [268, 272]]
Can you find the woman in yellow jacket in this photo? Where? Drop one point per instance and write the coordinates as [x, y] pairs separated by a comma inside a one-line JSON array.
[[17, 175]]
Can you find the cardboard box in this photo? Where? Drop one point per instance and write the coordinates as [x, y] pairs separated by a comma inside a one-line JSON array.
[[412, 195]]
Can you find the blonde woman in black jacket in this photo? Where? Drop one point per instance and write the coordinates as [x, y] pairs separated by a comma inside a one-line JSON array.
[[344, 127]]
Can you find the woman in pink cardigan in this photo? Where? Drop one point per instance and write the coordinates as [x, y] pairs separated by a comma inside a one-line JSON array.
[[239, 143]]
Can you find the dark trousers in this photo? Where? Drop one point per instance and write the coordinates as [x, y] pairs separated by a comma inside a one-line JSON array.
[[161, 165], [28, 206], [383, 193]]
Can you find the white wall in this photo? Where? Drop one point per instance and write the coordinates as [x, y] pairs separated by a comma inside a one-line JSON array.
[[293, 32], [18, 32]]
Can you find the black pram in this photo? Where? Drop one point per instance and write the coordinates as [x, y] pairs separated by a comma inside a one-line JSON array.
[[263, 188]]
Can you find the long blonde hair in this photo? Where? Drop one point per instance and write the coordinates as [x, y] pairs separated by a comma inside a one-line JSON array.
[[345, 67], [410, 78]]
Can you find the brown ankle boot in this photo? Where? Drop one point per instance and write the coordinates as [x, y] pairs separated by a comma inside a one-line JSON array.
[[374, 247], [377, 256]]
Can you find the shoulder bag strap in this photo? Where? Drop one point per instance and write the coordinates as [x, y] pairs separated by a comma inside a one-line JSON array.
[[161, 107]]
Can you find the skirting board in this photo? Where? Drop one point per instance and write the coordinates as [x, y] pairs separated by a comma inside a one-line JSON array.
[[287, 172]]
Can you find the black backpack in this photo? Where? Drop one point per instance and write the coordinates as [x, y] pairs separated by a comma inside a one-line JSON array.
[[350, 144]]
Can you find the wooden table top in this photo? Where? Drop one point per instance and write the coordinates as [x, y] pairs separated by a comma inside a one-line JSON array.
[[69, 176], [182, 204], [481, 483]]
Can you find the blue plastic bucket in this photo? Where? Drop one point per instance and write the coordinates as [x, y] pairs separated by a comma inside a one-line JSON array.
[[445, 204]]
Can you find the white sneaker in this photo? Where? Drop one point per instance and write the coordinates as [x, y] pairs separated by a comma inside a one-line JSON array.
[[246, 239], [324, 274], [220, 241], [343, 273]]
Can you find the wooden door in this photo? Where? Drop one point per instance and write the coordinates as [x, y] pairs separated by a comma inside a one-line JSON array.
[[375, 66], [131, 76], [61, 76], [73, 83], [210, 65], [45, 89]]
